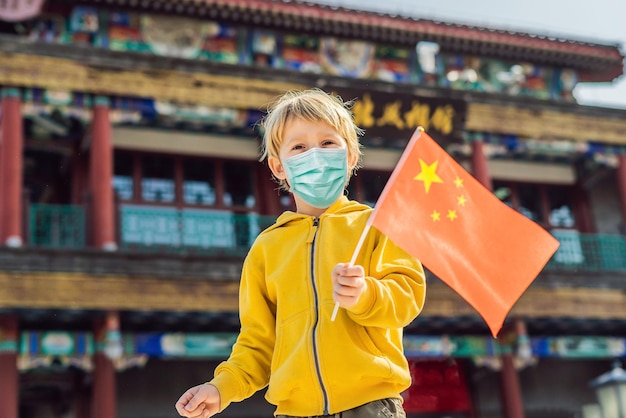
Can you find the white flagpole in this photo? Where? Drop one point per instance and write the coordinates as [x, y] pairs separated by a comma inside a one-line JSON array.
[[368, 224], [382, 196]]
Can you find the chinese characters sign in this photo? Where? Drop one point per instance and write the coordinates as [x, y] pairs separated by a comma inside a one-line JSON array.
[[391, 116]]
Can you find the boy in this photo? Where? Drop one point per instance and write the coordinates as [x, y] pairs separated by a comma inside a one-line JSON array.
[[295, 272]]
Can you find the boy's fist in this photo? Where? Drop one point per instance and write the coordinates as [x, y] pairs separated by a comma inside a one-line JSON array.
[[200, 401], [348, 284]]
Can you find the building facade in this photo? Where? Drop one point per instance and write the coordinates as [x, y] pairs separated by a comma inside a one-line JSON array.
[[130, 191]]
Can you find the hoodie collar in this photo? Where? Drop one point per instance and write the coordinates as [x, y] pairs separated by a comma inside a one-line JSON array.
[[343, 204]]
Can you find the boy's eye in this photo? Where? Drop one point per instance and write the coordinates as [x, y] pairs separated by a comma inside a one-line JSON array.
[[297, 147]]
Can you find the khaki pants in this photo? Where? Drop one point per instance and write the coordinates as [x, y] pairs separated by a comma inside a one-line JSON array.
[[383, 408]]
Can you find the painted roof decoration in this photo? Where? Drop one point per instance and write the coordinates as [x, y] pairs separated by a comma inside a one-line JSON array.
[[597, 62]]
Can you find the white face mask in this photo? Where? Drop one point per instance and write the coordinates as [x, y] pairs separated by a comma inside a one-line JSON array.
[[318, 176]]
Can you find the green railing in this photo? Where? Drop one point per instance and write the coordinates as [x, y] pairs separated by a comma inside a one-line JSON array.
[[56, 226], [589, 252], [158, 229], [147, 228]]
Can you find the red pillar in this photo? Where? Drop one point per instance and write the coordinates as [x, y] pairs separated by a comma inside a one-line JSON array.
[[11, 168], [9, 376], [511, 391], [480, 169], [621, 182], [583, 210], [103, 397], [267, 192], [509, 379], [101, 177]]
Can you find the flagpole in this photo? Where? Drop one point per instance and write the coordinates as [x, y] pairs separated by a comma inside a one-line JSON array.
[[370, 221], [359, 244]]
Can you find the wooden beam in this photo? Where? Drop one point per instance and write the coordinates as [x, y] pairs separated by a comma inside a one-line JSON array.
[[545, 124], [589, 303], [166, 85], [83, 291]]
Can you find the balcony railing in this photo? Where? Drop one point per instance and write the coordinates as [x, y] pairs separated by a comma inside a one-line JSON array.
[[147, 228], [158, 229], [589, 252], [56, 226]]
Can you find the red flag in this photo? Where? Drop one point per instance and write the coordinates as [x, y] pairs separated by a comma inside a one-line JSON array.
[[484, 250]]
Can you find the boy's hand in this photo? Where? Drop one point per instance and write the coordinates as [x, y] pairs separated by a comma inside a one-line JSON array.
[[200, 401], [348, 284]]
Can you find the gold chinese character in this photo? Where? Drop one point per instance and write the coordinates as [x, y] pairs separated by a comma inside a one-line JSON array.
[[362, 110], [391, 115], [442, 119], [418, 115]]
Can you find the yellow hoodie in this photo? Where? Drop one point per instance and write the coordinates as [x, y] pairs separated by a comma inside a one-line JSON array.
[[314, 366]]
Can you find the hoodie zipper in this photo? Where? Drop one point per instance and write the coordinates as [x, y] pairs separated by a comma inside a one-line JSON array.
[[318, 369]]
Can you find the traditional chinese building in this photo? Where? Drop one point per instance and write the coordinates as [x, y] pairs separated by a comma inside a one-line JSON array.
[[130, 191]]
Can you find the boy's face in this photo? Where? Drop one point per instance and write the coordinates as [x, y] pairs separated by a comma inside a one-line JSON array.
[[300, 135]]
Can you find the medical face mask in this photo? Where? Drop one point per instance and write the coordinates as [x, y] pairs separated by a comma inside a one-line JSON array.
[[318, 175]]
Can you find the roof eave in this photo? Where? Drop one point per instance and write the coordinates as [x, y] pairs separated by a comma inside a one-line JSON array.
[[598, 62]]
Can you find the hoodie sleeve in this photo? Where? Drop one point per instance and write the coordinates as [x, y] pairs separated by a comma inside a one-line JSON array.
[[396, 286], [248, 368]]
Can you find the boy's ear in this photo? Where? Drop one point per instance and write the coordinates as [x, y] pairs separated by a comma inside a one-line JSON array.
[[352, 161], [277, 168]]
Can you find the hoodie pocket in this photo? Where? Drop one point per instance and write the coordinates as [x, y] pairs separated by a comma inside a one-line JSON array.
[[349, 353], [291, 359]]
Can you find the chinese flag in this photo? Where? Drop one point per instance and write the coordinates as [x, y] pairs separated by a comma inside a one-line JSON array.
[[484, 250]]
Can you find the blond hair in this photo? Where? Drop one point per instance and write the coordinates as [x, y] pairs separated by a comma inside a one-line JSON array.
[[312, 105]]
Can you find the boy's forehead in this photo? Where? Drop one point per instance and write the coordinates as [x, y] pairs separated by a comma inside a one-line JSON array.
[[306, 127]]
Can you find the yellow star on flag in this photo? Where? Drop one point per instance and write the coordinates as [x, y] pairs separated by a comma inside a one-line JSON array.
[[461, 200], [459, 182], [452, 215], [436, 216], [428, 174]]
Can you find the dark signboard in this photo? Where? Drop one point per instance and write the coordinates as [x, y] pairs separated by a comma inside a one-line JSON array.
[[391, 118]]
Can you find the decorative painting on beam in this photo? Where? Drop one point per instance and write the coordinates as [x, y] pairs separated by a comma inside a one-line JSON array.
[[301, 53], [424, 347], [391, 64], [263, 48], [347, 58], [511, 146], [46, 28], [187, 38], [173, 37], [492, 75], [55, 109], [84, 25]]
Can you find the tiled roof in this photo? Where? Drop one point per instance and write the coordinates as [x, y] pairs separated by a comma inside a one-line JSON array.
[[597, 62]]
